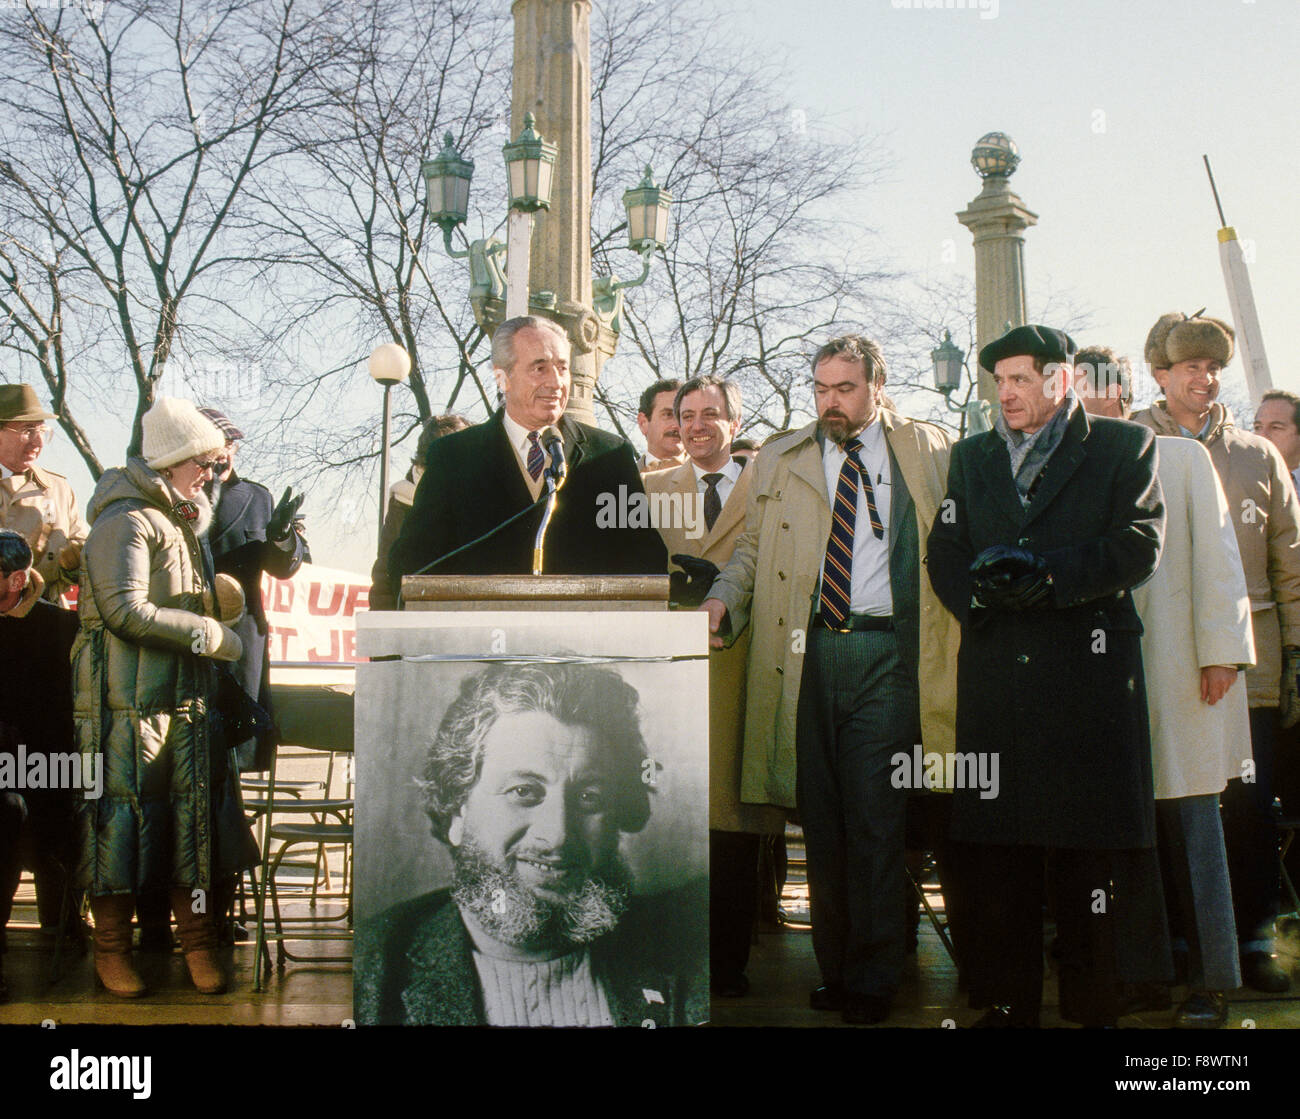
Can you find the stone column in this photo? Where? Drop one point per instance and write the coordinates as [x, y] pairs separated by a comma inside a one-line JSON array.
[[997, 218], [552, 80]]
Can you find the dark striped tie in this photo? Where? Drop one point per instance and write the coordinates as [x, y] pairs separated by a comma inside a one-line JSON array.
[[536, 460], [837, 571]]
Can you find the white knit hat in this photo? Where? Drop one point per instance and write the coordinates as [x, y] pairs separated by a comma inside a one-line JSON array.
[[175, 430]]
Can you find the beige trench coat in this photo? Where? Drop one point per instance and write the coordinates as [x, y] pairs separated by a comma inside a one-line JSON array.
[[1196, 613], [1266, 516], [41, 506], [726, 666], [770, 582]]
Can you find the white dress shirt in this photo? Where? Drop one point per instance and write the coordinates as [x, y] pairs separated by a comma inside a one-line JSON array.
[[730, 476], [518, 436], [869, 592]]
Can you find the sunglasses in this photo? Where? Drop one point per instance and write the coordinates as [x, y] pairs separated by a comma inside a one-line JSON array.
[[214, 466]]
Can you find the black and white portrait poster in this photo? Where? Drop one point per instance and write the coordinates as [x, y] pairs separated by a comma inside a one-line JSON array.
[[532, 819]]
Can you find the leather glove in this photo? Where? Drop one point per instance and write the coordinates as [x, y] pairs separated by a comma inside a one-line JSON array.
[[217, 641], [70, 556], [284, 517], [1290, 704], [1008, 578], [690, 586]]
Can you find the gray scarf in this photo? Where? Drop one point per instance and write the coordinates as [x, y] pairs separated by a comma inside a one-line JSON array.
[[1029, 453]]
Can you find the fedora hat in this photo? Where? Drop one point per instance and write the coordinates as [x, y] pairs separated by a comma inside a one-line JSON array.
[[19, 404]]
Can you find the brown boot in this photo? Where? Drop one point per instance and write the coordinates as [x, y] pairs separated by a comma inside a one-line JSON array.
[[113, 945], [198, 937]]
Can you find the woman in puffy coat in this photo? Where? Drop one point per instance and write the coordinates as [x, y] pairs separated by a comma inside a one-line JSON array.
[[143, 669]]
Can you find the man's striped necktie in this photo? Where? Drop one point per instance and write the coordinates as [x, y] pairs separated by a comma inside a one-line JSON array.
[[536, 460], [837, 571]]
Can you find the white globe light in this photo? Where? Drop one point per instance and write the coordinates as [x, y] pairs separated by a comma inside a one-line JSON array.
[[390, 364]]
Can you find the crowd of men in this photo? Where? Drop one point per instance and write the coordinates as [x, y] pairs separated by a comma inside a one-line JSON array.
[[1065, 604], [875, 587]]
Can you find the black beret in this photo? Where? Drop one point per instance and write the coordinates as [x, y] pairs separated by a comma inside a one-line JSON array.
[[1035, 341]]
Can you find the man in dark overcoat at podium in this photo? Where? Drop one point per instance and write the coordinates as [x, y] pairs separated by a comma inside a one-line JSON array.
[[478, 479]]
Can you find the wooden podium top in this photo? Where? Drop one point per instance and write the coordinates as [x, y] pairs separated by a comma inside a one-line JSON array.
[[534, 592]]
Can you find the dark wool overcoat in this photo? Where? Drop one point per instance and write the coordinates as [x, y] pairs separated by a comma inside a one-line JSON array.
[[240, 548], [472, 483], [1057, 692]]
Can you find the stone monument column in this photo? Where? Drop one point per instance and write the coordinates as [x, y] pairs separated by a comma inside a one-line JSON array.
[[997, 218], [552, 80]]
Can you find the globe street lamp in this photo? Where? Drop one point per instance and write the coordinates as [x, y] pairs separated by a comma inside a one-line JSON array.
[[389, 365], [950, 370]]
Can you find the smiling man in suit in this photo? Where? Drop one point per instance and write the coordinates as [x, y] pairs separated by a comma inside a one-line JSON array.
[[714, 491], [477, 479]]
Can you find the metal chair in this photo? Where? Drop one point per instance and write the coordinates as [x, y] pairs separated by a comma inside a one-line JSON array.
[[313, 718]]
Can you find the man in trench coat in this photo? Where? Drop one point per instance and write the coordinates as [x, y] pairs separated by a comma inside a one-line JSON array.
[[869, 683], [1037, 562]]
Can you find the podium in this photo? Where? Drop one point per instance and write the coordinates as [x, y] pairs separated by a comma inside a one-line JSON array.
[[534, 592], [563, 716]]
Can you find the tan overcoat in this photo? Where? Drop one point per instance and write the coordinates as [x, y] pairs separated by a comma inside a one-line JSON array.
[[769, 584], [41, 506], [726, 666], [1266, 516]]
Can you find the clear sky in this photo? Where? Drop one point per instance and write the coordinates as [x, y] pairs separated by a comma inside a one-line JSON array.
[[1112, 103]]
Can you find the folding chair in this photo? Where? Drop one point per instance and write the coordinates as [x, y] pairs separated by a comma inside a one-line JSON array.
[[314, 718]]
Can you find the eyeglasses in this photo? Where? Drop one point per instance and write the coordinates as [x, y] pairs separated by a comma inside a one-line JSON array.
[[30, 431], [208, 465]]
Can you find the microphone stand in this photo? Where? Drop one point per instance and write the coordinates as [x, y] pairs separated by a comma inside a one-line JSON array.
[[553, 484]]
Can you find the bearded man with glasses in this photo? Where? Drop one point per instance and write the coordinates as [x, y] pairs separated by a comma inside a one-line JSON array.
[[34, 502]]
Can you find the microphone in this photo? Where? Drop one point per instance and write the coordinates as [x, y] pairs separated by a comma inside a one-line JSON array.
[[553, 442]]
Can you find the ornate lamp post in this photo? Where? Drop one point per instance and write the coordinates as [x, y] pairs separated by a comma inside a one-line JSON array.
[[997, 219], [389, 365], [496, 295]]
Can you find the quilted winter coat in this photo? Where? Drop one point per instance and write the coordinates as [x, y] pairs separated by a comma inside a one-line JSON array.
[[144, 678]]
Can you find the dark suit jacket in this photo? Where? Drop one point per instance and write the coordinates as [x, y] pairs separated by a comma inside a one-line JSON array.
[[414, 964], [239, 547], [472, 483], [1056, 692]]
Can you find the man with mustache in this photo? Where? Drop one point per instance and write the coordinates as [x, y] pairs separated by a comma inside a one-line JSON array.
[[831, 562], [533, 774], [476, 480], [657, 420]]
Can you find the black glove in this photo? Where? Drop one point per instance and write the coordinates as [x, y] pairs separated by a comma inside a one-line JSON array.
[[1008, 578], [284, 517], [690, 586]]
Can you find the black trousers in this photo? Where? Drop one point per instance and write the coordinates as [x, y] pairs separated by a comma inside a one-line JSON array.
[[36, 831], [1250, 835], [1007, 887], [733, 901], [858, 707]]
